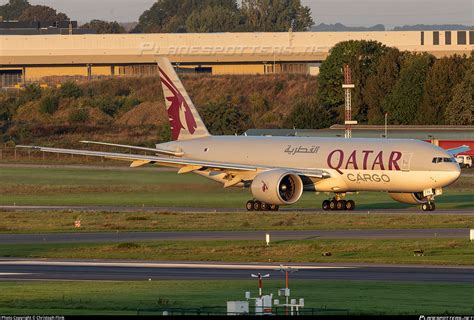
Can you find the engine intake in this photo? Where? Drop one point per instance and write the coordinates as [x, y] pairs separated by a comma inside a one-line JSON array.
[[409, 198], [277, 187]]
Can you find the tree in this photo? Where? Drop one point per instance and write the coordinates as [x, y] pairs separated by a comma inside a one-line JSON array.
[[443, 76], [171, 15], [381, 83], [362, 56], [13, 9], [276, 15], [403, 102], [306, 114], [42, 13], [213, 19], [460, 111], [224, 118], [103, 27]]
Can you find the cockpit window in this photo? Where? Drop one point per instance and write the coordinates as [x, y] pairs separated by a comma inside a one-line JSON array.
[[440, 160]]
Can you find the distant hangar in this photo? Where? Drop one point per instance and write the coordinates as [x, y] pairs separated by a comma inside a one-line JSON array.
[[31, 57]]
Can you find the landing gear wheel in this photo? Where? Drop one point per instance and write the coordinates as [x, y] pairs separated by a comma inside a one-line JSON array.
[[350, 205], [432, 206], [333, 205], [425, 207], [257, 206], [326, 204], [274, 207], [341, 205], [249, 205], [264, 206]]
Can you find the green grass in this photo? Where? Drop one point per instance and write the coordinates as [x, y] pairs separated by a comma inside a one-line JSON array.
[[358, 297], [147, 187], [437, 251], [57, 221]]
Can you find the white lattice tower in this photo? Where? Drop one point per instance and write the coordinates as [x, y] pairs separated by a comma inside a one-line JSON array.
[[348, 86]]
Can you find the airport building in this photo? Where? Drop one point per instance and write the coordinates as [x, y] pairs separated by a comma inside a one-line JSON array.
[[26, 58]]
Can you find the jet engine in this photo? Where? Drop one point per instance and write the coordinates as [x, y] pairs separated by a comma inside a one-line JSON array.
[[409, 198], [278, 187]]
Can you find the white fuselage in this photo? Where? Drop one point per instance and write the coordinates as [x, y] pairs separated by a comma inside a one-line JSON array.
[[391, 165]]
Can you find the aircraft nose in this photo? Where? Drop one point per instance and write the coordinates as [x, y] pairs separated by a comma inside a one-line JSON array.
[[456, 172]]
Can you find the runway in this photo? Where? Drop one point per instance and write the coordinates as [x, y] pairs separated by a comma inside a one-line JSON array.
[[226, 210], [232, 235], [35, 270]]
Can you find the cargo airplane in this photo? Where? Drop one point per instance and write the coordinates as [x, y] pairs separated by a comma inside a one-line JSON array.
[[277, 170]]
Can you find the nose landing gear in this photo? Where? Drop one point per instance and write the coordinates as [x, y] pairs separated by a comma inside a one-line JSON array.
[[255, 205], [429, 206]]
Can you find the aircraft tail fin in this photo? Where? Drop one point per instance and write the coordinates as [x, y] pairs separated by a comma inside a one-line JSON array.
[[184, 119]]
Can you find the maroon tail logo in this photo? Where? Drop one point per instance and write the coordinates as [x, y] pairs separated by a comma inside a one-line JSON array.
[[178, 106], [264, 186]]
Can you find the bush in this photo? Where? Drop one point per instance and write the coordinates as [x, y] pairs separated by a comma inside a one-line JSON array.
[[279, 86], [71, 90], [9, 104], [122, 92], [108, 105], [49, 104], [259, 104], [79, 116], [128, 103], [32, 92]]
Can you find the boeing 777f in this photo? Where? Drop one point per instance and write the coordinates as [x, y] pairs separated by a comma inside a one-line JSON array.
[[277, 170]]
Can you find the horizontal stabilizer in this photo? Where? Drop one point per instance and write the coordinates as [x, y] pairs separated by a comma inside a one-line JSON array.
[[458, 150]]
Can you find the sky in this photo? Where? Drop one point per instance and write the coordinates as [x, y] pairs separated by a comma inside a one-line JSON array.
[[349, 12]]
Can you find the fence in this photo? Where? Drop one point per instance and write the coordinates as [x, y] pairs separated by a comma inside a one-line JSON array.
[[221, 311], [17, 81], [29, 155]]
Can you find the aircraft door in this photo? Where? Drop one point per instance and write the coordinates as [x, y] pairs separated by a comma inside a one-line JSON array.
[[406, 161]]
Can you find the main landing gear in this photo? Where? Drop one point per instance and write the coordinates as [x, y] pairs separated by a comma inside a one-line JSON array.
[[429, 206], [255, 205], [338, 204]]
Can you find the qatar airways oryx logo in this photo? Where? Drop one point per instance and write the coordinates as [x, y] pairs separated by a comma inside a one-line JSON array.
[[264, 187], [179, 113]]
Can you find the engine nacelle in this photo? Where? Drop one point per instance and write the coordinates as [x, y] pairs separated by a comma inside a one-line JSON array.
[[278, 187], [409, 198]]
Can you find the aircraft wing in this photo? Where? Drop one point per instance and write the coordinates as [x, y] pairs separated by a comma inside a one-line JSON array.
[[185, 165], [157, 151], [458, 150]]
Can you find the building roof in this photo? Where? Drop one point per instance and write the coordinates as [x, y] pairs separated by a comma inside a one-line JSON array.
[[192, 48]]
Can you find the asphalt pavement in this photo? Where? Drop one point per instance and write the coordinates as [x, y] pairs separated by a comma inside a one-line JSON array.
[[105, 237], [190, 210], [33, 270]]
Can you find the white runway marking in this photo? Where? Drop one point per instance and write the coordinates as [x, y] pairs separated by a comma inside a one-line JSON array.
[[165, 265], [13, 274]]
